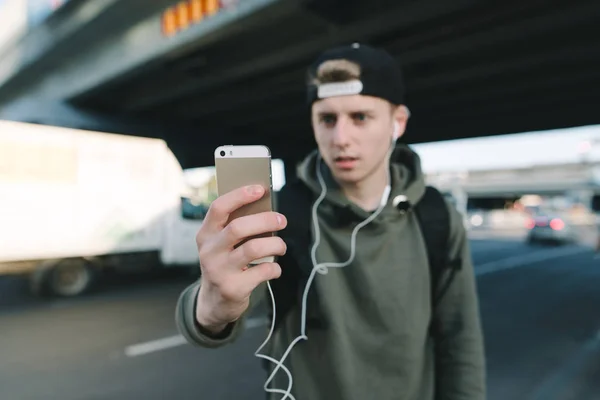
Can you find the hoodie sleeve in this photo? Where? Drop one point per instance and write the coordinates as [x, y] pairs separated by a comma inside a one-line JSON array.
[[459, 344], [185, 319]]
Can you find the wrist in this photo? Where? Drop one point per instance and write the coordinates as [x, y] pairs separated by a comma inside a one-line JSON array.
[[213, 328], [203, 317]]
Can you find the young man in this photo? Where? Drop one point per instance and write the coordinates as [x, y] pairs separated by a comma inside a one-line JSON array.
[[372, 328]]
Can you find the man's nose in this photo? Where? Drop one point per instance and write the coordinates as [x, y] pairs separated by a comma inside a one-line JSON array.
[[340, 133]]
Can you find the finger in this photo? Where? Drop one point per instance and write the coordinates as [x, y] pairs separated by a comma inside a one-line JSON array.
[[220, 209], [251, 225], [256, 249], [258, 274], [236, 287]]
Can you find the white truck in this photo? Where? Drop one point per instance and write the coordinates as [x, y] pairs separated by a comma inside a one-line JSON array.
[[74, 202]]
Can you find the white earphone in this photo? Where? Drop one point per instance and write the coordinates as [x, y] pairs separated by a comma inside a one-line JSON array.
[[396, 133], [388, 187]]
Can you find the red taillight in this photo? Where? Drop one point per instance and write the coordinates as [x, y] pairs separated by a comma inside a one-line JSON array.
[[557, 224], [530, 223]]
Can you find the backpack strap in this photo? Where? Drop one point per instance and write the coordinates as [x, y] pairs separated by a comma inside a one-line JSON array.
[[294, 200], [434, 219]]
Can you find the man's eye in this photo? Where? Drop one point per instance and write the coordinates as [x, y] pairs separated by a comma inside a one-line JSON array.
[[361, 117], [328, 119]]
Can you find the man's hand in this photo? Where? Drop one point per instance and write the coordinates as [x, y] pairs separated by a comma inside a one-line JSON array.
[[227, 282]]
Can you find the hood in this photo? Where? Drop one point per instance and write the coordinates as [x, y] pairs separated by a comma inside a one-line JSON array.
[[406, 173]]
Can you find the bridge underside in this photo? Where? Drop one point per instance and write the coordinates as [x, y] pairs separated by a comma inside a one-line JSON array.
[[472, 68]]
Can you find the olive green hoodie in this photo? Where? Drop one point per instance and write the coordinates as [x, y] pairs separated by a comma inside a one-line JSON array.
[[377, 310]]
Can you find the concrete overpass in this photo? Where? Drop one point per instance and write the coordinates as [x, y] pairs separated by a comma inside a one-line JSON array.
[[234, 73], [579, 181], [541, 179]]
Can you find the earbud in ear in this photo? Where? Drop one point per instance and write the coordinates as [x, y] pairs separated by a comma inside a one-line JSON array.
[[396, 133]]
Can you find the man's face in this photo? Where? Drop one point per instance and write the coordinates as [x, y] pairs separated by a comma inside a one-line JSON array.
[[354, 134]]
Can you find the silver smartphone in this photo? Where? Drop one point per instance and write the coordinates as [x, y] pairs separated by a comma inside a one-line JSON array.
[[238, 166]]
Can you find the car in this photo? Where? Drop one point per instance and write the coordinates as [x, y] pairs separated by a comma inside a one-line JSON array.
[[548, 228]]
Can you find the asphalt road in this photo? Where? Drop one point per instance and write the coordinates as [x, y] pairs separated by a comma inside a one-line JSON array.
[[539, 308]]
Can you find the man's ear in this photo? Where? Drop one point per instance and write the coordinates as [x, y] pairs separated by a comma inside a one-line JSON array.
[[401, 116]]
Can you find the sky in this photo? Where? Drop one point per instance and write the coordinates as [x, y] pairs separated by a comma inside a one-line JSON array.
[[509, 151], [505, 151]]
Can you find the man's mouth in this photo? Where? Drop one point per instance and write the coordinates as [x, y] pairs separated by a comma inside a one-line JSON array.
[[345, 162], [345, 158]]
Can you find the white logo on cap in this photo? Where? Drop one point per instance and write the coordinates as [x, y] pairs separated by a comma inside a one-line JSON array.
[[340, 89]]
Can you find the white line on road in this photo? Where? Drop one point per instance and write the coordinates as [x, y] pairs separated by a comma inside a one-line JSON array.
[[177, 340], [526, 259], [154, 345]]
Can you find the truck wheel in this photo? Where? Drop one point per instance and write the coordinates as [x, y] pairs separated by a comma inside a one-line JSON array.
[[70, 278], [65, 278]]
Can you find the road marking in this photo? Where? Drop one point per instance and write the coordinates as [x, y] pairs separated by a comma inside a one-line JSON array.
[[154, 345], [557, 383], [177, 340], [526, 259]]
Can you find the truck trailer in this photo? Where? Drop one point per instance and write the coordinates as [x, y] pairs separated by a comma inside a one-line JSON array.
[[75, 203]]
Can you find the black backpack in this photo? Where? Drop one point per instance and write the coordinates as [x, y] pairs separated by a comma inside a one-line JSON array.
[[295, 201]]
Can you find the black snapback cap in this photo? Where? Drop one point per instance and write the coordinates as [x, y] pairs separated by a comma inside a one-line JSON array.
[[380, 74]]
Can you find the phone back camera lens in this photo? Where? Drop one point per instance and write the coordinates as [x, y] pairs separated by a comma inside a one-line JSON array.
[[222, 153]]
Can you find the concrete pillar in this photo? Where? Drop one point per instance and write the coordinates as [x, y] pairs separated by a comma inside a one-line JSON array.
[[461, 197]]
